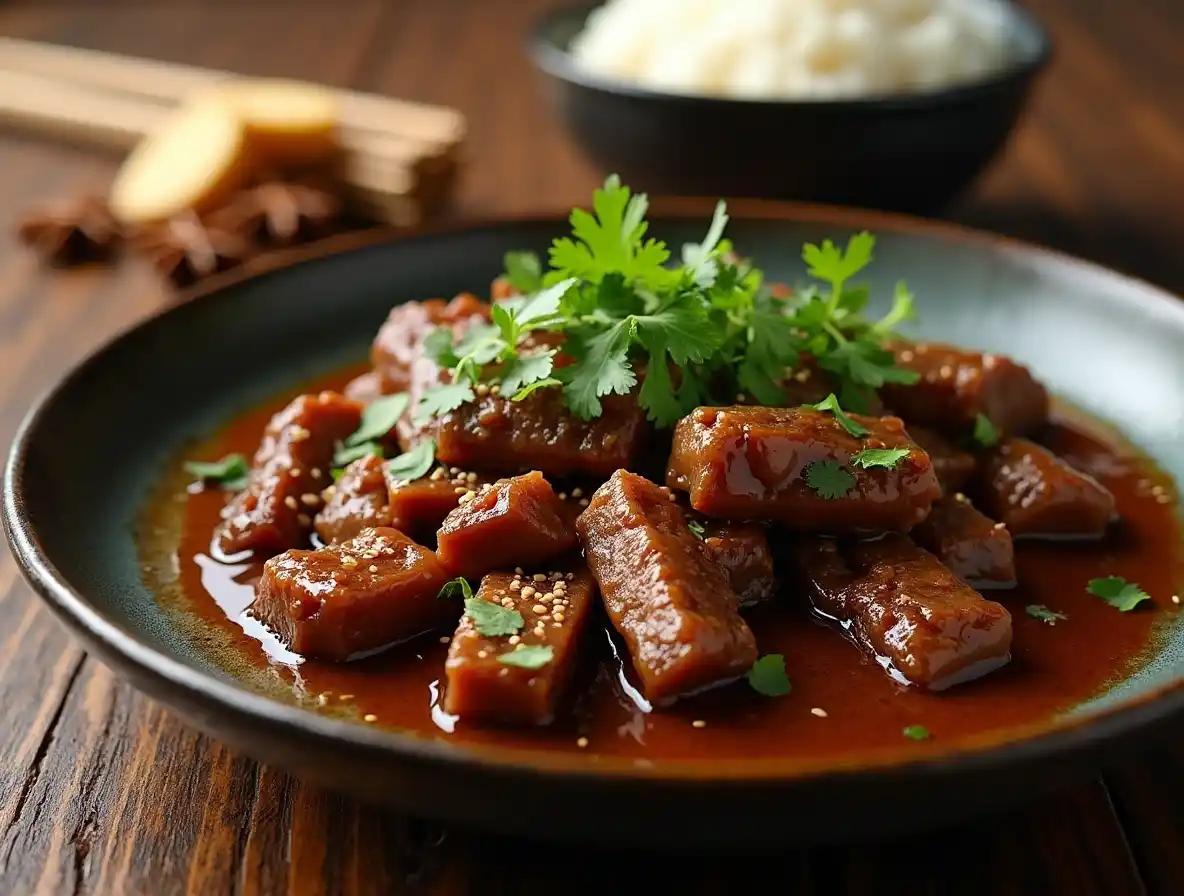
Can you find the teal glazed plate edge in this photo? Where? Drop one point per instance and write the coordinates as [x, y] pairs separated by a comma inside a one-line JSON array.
[[70, 518]]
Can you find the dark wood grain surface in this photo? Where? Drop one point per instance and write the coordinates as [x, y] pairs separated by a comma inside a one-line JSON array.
[[103, 792]]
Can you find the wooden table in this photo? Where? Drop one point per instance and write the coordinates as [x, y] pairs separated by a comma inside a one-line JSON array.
[[103, 792]]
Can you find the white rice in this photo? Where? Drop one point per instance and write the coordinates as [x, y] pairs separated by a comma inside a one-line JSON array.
[[776, 49]]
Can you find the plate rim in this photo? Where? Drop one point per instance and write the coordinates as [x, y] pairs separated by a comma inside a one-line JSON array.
[[1092, 733]]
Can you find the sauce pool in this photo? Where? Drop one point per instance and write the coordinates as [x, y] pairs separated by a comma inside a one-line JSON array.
[[842, 707]]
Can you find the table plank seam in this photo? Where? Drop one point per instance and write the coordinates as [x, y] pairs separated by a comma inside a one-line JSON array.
[[1131, 856], [47, 738]]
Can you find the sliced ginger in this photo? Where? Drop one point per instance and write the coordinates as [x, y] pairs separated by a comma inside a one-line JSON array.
[[194, 160], [290, 125]]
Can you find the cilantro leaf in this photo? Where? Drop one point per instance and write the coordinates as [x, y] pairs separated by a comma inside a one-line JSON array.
[[985, 433], [827, 262], [888, 458], [231, 472], [697, 529], [916, 732], [527, 391], [683, 330], [526, 656], [699, 258], [523, 370], [524, 271], [437, 345], [459, 585], [413, 464], [602, 368], [440, 400], [768, 677], [831, 403], [1118, 592], [657, 396], [543, 307], [345, 455], [828, 479], [1044, 614], [493, 620], [379, 418], [902, 310]]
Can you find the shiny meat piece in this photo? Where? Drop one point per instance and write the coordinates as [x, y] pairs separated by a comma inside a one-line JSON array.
[[957, 385], [975, 547], [365, 388], [1036, 494], [513, 522], [480, 687], [398, 347], [921, 622], [420, 506], [751, 463], [953, 466], [537, 433], [290, 469], [672, 605], [357, 501], [742, 551], [353, 598]]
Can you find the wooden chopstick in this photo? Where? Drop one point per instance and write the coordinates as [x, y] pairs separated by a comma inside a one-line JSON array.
[[170, 83]]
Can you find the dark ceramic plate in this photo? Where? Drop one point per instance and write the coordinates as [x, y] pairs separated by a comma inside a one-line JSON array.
[[92, 449]]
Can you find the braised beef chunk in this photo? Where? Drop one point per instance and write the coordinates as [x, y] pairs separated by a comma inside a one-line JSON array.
[[957, 385], [537, 433], [483, 685], [919, 620], [953, 466], [742, 551], [975, 547], [420, 506], [365, 388], [672, 605], [290, 469], [753, 463], [1036, 494], [357, 501], [346, 599], [398, 347], [513, 522]]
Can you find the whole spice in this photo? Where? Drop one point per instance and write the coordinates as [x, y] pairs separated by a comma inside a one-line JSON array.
[[72, 232], [186, 250], [279, 213]]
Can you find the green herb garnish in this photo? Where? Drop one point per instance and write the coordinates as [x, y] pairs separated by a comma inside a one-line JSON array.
[[413, 464], [985, 433], [1118, 592], [768, 677], [526, 656], [888, 458], [692, 334], [916, 732], [492, 620], [231, 472], [344, 455], [829, 479], [697, 529], [1044, 614], [457, 587], [831, 403], [379, 418]]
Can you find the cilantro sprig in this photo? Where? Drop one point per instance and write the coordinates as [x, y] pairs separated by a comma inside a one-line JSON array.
[[231, 472], [1124, 596], [679, 335]]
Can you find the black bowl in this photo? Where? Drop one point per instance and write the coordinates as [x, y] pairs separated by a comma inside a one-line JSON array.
[[911, 152]]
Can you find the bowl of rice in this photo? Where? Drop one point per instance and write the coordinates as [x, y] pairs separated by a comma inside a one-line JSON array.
[[896, 104]]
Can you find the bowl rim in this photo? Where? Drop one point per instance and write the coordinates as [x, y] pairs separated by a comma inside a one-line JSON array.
[[1081, 737], [556, 60]]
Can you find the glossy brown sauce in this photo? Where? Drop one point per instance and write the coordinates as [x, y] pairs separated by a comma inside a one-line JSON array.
[[1053, 667]]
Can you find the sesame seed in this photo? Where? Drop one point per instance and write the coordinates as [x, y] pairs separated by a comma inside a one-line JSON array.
[[299, 434], [322, 699], [517, 570], [482, 654], [556, 625], [1163, 499], [570, 576], [906, 356], [538, 609], [539, 577], [547, 598], [583, 502], [528, 592], [740, 396], [562, 496], [482, 389], [467, 496], [290, 502], [671, 496], [373, 568], [581, 742], [297, 472], [454, 470], [345, 696], [438, 474], [515, 585], [315, 473], [698, 723], [459, 490], [349, 561], [495, 390], [310, 500], [304, 519], [515, 639], [370, 717], [470, 477], [1175, 598], [958, 496], [577, 493], [818, 711], [444, 639], [1000, 526], [946, 371], [329, 492], [559, 617]]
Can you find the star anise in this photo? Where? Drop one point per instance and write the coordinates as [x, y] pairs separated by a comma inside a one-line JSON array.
[[185, 250], [72, 232], [279, 213]]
